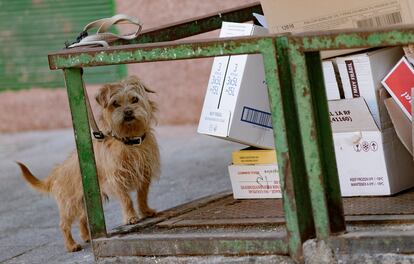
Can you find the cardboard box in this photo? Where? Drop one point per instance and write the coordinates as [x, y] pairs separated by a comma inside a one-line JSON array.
[[361, 75], [236, 106], [402, 124], [252, 156], [255, 181], [333, 90], [399, 82], [219, 67], [299, 16], [370, 161]]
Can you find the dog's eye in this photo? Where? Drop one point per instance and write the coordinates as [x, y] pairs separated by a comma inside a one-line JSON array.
[[134, 100], [116, 104]]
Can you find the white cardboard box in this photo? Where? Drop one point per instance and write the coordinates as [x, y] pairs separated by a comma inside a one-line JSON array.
[[219, 67], [361, 75], [239, 109], [236, 104], [370, 162], [403, 125], [330, 77], [255, 181], [299, 16]]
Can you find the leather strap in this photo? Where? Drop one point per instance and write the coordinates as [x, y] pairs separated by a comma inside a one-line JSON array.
[[96, 132], [102, 37]]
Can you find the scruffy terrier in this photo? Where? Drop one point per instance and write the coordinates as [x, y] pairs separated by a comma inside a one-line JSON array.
[[127, 159]]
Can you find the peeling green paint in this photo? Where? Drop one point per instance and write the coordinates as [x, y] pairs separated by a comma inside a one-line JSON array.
[[162, 52], [92, 196], [308, 131], [289, 152], [350, 40]]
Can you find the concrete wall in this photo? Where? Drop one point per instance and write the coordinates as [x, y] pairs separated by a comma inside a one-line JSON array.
[[180, 85]]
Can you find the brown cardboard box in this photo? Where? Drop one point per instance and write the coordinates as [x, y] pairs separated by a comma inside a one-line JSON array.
[[402, 124], [299, 16]]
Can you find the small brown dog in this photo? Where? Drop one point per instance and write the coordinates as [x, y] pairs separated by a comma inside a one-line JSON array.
[[127, 159]]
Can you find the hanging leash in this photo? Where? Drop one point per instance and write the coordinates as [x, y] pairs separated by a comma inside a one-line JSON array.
[[102, 37], [96, 132]]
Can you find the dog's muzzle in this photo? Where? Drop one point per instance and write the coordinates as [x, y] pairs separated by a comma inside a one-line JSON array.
[[128, 115]]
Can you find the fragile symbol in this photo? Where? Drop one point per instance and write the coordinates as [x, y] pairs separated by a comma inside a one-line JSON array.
[[365, 146], [357, 147], [374, 145]]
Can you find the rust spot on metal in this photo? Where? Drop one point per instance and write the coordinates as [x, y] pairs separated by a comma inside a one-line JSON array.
[[313, 133], [305, 92], [287, 173]]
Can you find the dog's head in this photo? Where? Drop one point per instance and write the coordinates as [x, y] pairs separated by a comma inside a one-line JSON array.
[[127, 110]]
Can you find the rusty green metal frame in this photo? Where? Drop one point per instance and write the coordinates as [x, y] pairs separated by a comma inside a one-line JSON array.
[[303, 137], [313, 112], [298, 215], [198, 25], [77, 103]]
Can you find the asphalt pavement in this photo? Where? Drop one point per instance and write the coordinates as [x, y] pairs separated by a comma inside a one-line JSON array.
[[193, 166]]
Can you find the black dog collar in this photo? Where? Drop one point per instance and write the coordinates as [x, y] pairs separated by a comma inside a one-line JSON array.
[[132, 140]]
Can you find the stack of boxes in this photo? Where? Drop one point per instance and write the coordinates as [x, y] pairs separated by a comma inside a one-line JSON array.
[[254, 174], [372, 149]]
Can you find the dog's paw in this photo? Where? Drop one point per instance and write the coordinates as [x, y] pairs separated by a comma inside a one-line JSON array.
[[148, 213], [132, 220], [74, 248], [85, 239]]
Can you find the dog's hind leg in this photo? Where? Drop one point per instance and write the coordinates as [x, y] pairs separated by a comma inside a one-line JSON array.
[[65, 226], [142, 200], [83, 227]]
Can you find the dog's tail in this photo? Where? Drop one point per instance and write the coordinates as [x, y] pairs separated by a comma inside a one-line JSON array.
[[35, 183]]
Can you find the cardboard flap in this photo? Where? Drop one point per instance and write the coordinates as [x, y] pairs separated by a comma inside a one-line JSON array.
[[350, 115], [401, 123]]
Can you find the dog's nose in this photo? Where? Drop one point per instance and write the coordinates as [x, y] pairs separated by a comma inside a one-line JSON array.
[[128, 112]]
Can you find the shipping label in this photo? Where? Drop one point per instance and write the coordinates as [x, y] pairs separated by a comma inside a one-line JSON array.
[[366, 16]]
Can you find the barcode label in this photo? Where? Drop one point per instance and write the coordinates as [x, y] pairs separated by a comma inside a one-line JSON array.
[[380, 21], [256, 117]]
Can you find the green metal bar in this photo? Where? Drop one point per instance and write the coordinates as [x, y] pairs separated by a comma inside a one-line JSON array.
[[326, 145], [176, 50], [92, 196], [310, 138], [400, 35], [198, 25], [292, 172]]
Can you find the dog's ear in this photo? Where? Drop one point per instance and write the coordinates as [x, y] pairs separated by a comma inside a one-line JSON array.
[[102, 96], [148, 90], [133, 80], [154, 106]]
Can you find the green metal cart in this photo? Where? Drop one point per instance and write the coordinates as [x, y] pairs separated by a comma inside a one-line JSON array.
[[312, 206]]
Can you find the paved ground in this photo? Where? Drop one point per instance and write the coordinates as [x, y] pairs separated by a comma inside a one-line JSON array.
[[193, 166]]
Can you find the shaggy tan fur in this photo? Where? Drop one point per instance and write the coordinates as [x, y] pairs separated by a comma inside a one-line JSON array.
[[127, 112]]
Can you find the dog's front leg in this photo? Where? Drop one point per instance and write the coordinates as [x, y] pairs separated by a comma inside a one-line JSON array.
[[129, 214], [142, 200]]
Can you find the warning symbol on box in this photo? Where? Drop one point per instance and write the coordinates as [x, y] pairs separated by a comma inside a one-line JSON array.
[[365, 146], [374, 145], [357, 147]]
